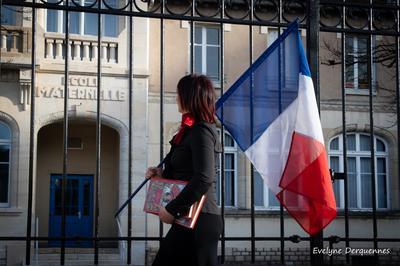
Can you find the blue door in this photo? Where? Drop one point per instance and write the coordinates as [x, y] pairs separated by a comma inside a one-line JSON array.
[[78, 209]]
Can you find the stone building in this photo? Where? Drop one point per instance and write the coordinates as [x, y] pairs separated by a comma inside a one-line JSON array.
[[15, 91]]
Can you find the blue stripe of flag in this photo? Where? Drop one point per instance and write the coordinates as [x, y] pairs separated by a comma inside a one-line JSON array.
[[274, 78]]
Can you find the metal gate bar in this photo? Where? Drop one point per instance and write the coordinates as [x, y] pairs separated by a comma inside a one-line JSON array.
[[31, 141], [130, 131], [312, 45], [161, 226], [372, 135], [65, 135], [222, 161], [344, 135], [98, 137]]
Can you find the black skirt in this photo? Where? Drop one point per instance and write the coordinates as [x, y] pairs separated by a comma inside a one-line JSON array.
[[191, 247]]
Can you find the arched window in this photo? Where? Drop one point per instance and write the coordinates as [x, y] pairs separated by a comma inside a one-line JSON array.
[[359, 171], [230, 153], [5, 148]]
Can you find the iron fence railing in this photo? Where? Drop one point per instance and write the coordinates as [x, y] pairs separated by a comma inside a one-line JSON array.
[[341, 16]]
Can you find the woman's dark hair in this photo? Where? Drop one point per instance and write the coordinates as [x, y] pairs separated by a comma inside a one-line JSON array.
[[197, 96]]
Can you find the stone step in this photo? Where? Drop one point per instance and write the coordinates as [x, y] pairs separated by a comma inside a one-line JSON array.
[[76, 250], [77, 263], [78, 256]]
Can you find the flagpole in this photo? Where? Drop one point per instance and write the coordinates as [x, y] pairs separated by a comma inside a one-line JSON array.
[[135, 192], [316, 241], [281, 211]]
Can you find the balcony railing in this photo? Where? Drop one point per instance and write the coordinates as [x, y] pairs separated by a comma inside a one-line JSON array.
[[14, 40], [81, 48]]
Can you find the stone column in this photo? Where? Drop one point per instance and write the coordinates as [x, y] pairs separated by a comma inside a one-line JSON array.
[[59, 46], [69, 49], [14, 48], [113, 57], [49, 49], [3, 41], [86, 48], [94, 51], [77, 50], [104, 52]]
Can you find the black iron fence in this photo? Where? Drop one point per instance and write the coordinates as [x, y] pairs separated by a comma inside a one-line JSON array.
[[366, 18]]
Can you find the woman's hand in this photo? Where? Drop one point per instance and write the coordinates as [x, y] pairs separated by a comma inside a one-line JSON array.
[[165, 216], [153, 172]]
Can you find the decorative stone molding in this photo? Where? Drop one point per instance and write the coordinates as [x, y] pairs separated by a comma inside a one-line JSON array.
[[24, 88]]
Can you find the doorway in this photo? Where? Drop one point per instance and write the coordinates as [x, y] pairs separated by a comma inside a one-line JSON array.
[[78, 209]]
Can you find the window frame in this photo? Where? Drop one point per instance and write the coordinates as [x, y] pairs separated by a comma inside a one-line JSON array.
[[204, 45], [9, 143], [358, 154], [228, 150], [356, 89], [61, 26]]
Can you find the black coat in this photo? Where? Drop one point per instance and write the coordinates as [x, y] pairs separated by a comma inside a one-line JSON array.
[[194, 160]]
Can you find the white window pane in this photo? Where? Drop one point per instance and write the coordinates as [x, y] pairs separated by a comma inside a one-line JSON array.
[[352, 182], [350, 62], [52, 20], [229, 161], [381, 190], [351, 142], [229, 141], [380, 146], [382, 193], [334, 145], [213, 36], [356, 65], [350, 74], [334, 165], [362, 63], [366, 198], [272, 200], [74, 22], [110, 25], [229, 180], [365, 143], [258, 189], [366, 195], [229, 190], [4, 176], [90, 24], [5, 133], [365, 166], [8, 16], [363, 82], [381, 165], [213, 62], [198, 36], [198, 59]]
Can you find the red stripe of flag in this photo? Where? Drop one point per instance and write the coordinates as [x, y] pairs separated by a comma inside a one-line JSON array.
[[307, 191]]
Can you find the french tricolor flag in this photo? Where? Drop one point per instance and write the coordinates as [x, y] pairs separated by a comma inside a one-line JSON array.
[[272, 113]]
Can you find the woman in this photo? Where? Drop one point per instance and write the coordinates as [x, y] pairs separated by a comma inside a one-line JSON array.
[[193, 155]]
